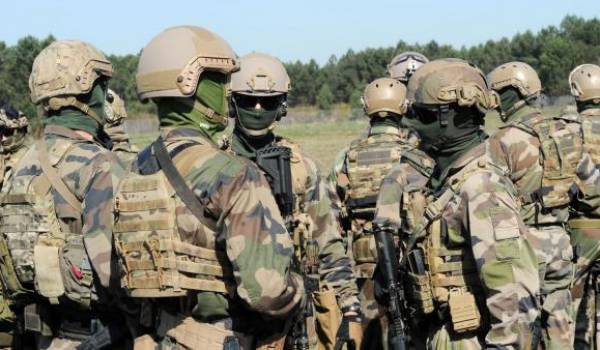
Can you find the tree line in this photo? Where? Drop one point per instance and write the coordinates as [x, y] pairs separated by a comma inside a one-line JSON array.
[[553, 52]]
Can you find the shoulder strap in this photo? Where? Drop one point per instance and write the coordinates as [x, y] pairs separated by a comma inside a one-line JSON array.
[[185, 193], [57, 182]]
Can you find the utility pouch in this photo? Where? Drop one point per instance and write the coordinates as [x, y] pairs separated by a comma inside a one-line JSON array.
[[420, 280], [35, 320], [48, 277], [463, 311]]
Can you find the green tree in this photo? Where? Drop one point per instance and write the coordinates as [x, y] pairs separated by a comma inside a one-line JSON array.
[[325, 97]]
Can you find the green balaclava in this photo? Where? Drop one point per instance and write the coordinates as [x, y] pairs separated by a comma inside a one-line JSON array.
[[394, 121], [591, 104], [73, 118], [252, 127], [256, 121], [446, 132], [192, 112], [508, 99]]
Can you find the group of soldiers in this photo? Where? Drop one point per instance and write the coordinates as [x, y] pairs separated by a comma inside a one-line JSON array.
[[240, 243]]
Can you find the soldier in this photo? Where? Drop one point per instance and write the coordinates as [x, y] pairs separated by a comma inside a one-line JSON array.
[[116, 115], [585, 88], [200, 239], [13, 132], [478, 283], [404, 65], [541, 154], [260, 91], [57, 213], [356, 176]]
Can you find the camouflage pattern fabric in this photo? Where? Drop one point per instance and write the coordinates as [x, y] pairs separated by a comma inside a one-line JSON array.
[[9, 161], [237, 198], [481, 217], [586, 243], [520, 154], [313, 216], [89, 171], [121, 144], [339, 181]]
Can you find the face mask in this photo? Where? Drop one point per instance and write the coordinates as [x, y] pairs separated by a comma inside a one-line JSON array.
[[212, 92], [258, 113], [443, 128]]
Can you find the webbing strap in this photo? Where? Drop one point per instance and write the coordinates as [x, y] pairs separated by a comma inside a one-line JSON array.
[[176, 264], [171, 245], [55, 179], [187, 196], [177, 281], [584, 223]]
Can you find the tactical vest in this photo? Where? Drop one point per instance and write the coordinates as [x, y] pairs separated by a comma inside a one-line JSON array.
[[441, 266], [561, 147], [414, 198], [39, 251], [590, 125], [155, 259], [368, 161]]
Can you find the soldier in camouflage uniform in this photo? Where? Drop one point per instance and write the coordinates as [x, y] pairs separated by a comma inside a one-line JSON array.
[[116, 115], [13, 133], [583, 228], [478, 282], [356, 176], [404, 65], [542, 155], [260, 90], [200, 239], [57, 213]]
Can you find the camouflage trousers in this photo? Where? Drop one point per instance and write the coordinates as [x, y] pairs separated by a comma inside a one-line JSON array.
[[555, 256], [374, 320], [586, 285]]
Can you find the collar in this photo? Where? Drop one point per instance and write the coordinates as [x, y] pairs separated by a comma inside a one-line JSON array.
[[182, 133], [66, 133], [464, 160], [523, 112]]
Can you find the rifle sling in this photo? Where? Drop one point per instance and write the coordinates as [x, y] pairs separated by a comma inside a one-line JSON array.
[[185, 193], [55, 179]]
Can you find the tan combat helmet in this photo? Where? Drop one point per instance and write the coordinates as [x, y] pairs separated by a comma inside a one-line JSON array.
[[585, 82], [114, 108], [171, 64], [260, 75], [384, 97], [519, 75], [405, 64], [448, 81], [65, 69]]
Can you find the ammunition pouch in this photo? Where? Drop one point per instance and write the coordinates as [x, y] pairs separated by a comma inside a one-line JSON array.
[[464, 313]]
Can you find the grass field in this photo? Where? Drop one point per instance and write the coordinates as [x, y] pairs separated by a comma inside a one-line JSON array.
[[324, 140]]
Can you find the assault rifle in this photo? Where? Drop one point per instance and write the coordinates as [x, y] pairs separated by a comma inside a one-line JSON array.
[[389, 268], [275, 162]]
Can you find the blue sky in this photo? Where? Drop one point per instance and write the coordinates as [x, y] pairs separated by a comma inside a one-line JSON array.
[[291, 30]]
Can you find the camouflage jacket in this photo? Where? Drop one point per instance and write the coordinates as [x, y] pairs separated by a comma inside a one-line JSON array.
[[403, 195], [91, 173], [519, 154], [590, 124], [9, 161], [237, 198], [121, 144], [314, 220], [481, 218]]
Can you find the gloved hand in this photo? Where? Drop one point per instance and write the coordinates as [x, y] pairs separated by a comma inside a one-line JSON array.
[[350, 331]]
